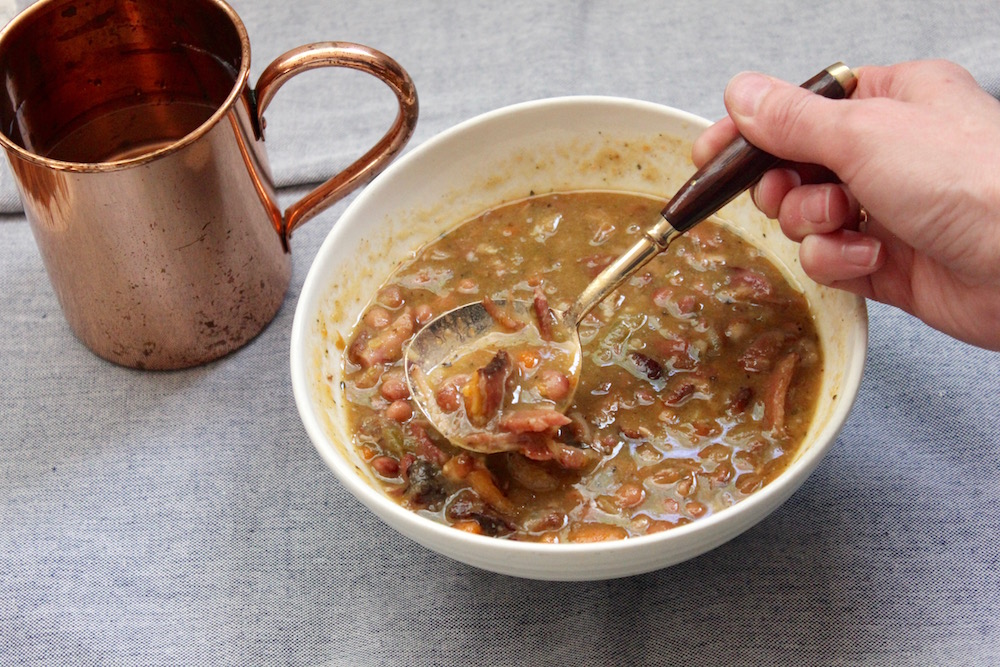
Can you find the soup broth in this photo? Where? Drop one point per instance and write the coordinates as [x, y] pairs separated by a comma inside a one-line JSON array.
[[699, 376]]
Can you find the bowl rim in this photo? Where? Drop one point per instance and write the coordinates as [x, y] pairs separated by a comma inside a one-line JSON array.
[[316, 287]]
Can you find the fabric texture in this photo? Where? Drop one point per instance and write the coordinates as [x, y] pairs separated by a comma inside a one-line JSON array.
[[184, 518]]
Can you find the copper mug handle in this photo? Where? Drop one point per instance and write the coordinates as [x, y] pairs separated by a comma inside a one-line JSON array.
[[369, 165]]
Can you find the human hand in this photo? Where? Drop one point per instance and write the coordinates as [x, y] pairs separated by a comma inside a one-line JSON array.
[[918, 147]]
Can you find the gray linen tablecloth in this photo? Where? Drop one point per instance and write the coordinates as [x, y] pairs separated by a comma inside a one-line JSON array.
[[184, 518]]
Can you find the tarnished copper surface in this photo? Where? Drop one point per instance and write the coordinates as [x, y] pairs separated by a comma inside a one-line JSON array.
[[135, 141]]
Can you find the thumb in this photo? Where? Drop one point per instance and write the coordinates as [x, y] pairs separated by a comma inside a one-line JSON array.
[[785, 120]]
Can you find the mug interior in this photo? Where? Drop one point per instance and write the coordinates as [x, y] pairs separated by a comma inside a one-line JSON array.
[[102, 81]]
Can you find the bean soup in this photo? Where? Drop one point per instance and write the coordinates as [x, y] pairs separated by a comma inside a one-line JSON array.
[[699, 376]]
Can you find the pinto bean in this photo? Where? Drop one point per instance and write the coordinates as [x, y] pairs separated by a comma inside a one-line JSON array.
[[468, 526], [586, 532], [553, 384], [716, 452], [545, 522], [423, 314], [394, 385], [449, 395], [748, 482], [722, 474], [458, 467], [391, 296], [686, 487], [377, 317], [399, 411], [679, 393], [629, 495], [385, 466], [696, 509]]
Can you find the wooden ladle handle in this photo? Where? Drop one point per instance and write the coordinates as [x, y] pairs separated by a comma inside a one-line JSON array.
[[740, 164]]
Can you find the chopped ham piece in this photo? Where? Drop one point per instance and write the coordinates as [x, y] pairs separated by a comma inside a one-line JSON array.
[[485, 391], [532, 420], [739, 401], [387, 345], [426, 449], [759, 355], [542, 313], [504, 319], [749, 285], [777, 391]]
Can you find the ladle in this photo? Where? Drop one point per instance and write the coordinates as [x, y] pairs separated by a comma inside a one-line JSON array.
[[448, 337]]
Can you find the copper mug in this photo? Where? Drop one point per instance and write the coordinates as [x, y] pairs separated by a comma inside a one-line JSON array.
[[137, 146]]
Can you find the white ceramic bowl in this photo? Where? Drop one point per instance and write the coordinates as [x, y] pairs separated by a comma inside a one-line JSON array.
[[556, 144]]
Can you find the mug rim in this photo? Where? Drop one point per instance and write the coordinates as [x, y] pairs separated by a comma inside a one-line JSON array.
[[23, 19]]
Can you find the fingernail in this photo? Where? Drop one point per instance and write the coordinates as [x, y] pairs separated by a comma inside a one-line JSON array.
[[816, 208], [861, 251], [744, 92]]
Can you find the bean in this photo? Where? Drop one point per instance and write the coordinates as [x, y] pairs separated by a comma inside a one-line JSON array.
[[449, 396], [369, 377], [748, 482], [391, 296], [686, 486], [722, 474], [548, 522], [386, 466], [607, 504], [629, 495], [423, 314], [468, 526], [458, 467], [715, 452], [394, 385], [399, 411], [377, 317], [696, 509], [595, 532]]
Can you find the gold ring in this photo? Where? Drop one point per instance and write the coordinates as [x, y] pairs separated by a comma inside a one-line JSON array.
[[862, 219]]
